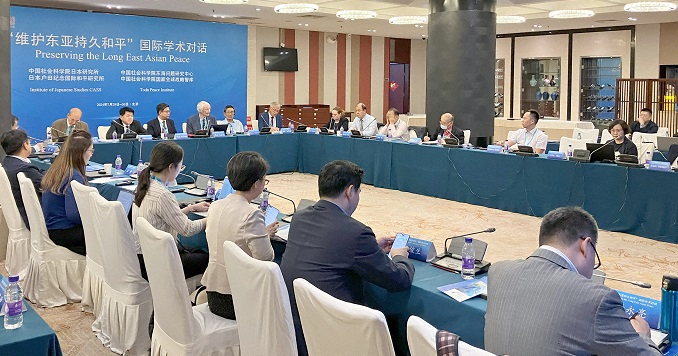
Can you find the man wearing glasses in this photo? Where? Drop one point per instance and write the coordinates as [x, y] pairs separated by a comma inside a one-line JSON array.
[[547, 304]]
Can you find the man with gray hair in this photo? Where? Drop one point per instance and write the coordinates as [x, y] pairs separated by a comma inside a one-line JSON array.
[[71, 123], [271, 118], [202, 120], [547, 304]]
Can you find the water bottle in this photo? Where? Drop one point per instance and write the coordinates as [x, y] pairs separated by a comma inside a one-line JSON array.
[[14, 300], [506, 146], [468, 259], [569, 151], [118, 164], [263, 201], [140, 167], [49, 137], [291, 126], [440, 139], [115, 135], [164, 135], [648, 158], [668, 321], [341, 131], [210, 188], [211, 132]]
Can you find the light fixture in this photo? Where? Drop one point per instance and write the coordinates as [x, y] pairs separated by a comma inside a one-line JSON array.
[[356, 14], [570, 14], [408, 20], [632, 19], [225, 2], [510, 19], [650, 6], [295, 8]]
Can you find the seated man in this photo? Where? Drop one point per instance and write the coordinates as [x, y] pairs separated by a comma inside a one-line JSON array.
[[162, 123], [644, 124], [234, 124], [17, 146], [529, 135], [336, 252], [202, 120], [547, 304], [125, 124], [364, 122], [447, 129], [64, 127], [38, 147], [271, 118]]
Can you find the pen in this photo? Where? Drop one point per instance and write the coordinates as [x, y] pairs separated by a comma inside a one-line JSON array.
[[633, 316]]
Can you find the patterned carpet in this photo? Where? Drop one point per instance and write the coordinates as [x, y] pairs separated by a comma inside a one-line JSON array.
[[387, 211]]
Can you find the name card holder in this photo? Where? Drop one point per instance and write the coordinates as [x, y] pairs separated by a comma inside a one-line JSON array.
[[95, 139], [130, 169], [253, 132], [145, 137], [421, 250], [51, 148], [312, 130], [660, 166], [414, 141], [219, 134], [181, 136], [556, 155], [494, 149], [379, 137], [346, 134], [286, 130]]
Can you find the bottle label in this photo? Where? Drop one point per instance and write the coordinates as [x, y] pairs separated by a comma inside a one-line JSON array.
[[14, 308], [210, 191], [263, 205], [468, 262]]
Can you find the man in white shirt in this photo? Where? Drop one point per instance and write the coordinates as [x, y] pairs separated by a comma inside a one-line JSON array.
[[229, 115], [529, 135], [364, 122]]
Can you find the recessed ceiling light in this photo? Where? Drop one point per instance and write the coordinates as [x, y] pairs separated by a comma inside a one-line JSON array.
[[295, 8], [633, 19], [225, 2], [356, 14], [650, 6], [510, 19], [407, 20], [109, 6], [570, 14], [118, 7]]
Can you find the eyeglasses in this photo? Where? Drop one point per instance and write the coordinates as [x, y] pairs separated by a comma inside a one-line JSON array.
[[598, 263], [613, 130], [265, 181], [183, 166], [91, 150]]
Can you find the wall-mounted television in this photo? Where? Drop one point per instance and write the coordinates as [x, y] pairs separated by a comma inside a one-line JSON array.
[[280, 59]]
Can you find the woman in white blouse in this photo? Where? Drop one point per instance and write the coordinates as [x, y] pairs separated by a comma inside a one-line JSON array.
[[158, 205], [235, 219], [395, 128]]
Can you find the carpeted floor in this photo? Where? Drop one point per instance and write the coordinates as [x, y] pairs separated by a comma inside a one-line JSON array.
[[387, 211]]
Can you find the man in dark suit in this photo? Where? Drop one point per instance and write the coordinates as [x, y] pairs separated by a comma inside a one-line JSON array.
[[644, 124], [447, 129], [125, 124], [161, 124], [336, 252], [202, 120], [271, 118], [17, 146], [548, 304]]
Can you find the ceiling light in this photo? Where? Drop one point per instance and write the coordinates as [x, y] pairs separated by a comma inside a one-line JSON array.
[[356, 14], [295, 8], [650, 6], [633, 19], [510, 19], [408, 20], [225, 2], [570, 14]]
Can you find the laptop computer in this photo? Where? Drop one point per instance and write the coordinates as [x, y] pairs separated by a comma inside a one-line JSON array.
[[265, 130], [200, 189], [221, 127], [664, 143], [600, 152], [526, 151], [126, 197]]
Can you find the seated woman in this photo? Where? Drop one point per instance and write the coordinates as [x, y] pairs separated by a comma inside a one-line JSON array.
[[337, 121], [619, 129], [58, 202], [395, 128], [158, 205], [235, 219]]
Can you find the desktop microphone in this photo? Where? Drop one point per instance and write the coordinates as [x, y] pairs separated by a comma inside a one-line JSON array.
[[491, 229], [596, 150], [61, 132], [199, 174], [635, 283], [296, 122], [186, 175], [123, 126], [280, 196]]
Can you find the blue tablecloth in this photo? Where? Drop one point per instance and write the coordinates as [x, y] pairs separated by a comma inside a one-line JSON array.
[[34, 337]]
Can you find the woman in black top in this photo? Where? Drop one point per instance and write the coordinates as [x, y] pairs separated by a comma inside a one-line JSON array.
[[337, 121], [619, 129]]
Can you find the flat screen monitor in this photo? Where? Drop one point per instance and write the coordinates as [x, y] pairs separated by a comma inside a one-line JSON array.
[[280, 59]]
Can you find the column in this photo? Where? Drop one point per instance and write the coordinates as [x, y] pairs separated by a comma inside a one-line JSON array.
[[5, 72]]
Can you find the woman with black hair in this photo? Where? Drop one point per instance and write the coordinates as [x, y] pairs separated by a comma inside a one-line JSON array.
[[154, 202], [619, 129]]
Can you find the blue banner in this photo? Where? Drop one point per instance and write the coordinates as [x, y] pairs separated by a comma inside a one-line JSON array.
[[102, 62]]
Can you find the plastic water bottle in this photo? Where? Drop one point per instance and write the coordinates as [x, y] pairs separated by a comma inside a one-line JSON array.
[[668, 322], [118, 165], [115, 135], [291, 126], [440, 139], [263, 201], [569, 151], [341, 131], [210, 188], [506, 146], [648, 158], [14, 298], [49, 137], [468, 259], [140, 167]]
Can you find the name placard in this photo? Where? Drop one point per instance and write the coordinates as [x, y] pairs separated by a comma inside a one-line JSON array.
[[145, 137], [660, 166], [494, 149], [379, 137], [95, 139], [421, 250], [219, 134], [180, 136], [346, 134], [414, 141], [649, 309], [130, 169], [312, 130], [253, 132], [286, 130], [556, 155]]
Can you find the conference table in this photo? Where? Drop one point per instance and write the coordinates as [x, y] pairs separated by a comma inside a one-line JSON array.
[[632, 200], [34, 337]]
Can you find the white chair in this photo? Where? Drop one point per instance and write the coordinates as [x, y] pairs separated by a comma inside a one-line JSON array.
[[183, 127], [413, 133], [467, 136], [639, 137], [261, 303], [605, 136], [19, 238], [663, 132], [101, 131], [255, 124], [127, 304], [180, 329], [335, 327], [645, 151], [586, 135], [576, 144], [421, 339], [145, 126], [55, 273], [93, 279]]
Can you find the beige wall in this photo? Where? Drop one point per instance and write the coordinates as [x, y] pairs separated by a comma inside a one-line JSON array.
[[262, 87], [668, 43], [418, 77], [647, 51]]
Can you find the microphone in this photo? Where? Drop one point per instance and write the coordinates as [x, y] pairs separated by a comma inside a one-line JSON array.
[[280, 196], [635, 283], [596, 150], [199, 174], [123, 126], [59, 132], [488, 230], [296, 122], [186, 175]]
